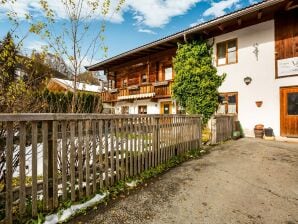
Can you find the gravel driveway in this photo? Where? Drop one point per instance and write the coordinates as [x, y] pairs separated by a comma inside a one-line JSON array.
[[244, 181]]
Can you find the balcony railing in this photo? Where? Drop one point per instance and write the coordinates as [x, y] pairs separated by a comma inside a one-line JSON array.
[[152, 90]]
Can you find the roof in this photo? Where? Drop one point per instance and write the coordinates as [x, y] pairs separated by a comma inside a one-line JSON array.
[[69, 84], [171, 40]]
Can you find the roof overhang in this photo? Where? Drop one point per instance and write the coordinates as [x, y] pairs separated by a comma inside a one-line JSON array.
[[209, 29]]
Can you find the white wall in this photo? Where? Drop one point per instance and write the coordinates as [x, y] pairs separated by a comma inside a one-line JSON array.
[[152, 107], [264, 87]]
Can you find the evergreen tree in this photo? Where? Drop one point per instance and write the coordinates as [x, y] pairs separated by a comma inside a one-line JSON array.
[[8, 61]]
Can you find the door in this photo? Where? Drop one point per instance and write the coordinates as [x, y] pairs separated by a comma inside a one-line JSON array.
[[289, 111], [166, 107]]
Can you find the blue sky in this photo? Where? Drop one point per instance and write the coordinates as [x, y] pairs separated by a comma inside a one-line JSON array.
[[137, 23]]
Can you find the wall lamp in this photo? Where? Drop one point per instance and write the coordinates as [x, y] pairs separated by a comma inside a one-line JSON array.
[[247, 80]]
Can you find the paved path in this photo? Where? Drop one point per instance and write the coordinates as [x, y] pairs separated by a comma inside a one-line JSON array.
[[244, 181]]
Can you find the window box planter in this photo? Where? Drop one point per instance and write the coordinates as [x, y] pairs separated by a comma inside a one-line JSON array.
[[134, 87], [163, 83], [113, 90]]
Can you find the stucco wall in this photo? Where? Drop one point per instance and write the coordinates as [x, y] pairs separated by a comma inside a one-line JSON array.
[[152, 107], [264, 87]]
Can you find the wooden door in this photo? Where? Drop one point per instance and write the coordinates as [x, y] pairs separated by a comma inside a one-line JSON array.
[[166, 107], [289, 111]]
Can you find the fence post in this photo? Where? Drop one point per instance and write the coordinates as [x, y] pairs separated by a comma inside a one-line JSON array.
[[158, 141], [9, 172], [200, 132], [213, 131]]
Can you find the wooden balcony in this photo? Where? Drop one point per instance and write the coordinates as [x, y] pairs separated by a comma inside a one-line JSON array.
[[152, 90]]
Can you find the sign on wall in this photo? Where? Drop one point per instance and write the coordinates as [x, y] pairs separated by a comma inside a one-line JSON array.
[[287, 67]]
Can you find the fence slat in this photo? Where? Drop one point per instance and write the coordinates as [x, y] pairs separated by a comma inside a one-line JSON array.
[[34, 168], [80, 157], [135, 147], [139, 148], [22, 166], [106, 164], [112, 130], [45, 165], [9, 171], [55, 168], [117, 136], [64, 159], [130, 130], [72, 161], [87, 151], [94, 159], [100, 130]]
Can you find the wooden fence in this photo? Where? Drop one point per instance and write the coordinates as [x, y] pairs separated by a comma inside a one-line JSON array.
[[53, 158], [222, 127]]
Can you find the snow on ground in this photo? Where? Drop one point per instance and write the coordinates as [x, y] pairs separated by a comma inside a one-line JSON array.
[[67, 213]]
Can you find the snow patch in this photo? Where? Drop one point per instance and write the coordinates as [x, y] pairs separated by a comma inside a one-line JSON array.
[[67, 213]]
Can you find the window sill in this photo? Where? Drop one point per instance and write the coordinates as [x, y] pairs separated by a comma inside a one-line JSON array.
[[232, 63]]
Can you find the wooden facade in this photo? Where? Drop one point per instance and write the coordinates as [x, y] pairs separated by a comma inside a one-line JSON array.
[[286, 36], [142, 76], [140, 73]]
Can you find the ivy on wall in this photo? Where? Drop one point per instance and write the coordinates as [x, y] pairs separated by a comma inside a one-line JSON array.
[[196, 81]]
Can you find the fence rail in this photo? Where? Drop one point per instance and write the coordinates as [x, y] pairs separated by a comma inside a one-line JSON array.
[[52, 158]]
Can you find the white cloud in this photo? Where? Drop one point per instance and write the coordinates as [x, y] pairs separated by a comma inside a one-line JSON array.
[[151, 13], [35, 45], [251, 2], [157, 13], [199, 21], [22, 7], [146, 31], [218, 8]]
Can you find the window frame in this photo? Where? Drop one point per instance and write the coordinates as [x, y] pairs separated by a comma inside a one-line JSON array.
[[124, 108], [164, 70], [124, 80], [226, 52], [144, 74], [226, 95], [144, 106]]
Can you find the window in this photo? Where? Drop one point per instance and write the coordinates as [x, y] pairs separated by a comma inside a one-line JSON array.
[[124, 83], [143, 109], [125, 110], [166, 108], [228, 103], [292, 103], [111, 84], [168, 73], [227, 52], [144, 78]]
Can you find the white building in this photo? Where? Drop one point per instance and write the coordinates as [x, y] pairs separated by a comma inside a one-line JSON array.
[[258, 49]]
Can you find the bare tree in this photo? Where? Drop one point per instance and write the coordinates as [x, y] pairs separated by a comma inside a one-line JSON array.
[[80, 38]]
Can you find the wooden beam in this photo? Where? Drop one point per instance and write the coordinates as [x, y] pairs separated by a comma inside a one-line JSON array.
[[239, 21], [184, 37], [221, 27], [290, 6], [260, 14], [205, 32]]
